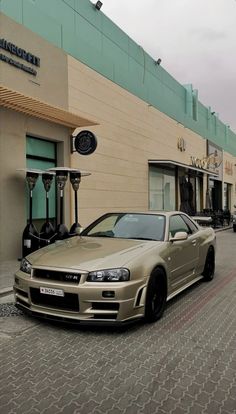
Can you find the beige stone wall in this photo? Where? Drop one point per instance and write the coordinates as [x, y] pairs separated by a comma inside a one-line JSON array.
[[50, 86], [50, 83], [130, 132]]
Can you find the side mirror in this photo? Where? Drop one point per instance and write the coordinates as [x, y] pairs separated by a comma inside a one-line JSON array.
[[179, 236]]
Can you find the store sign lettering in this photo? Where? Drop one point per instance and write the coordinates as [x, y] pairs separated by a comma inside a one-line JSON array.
[[199, 163], [20, 53], [212, 161], [181, 144]]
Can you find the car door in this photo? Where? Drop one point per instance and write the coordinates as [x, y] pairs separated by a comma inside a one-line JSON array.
[[183, 255]]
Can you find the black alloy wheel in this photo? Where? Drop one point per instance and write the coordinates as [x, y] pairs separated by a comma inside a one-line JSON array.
[[209, 268], [156, 296]]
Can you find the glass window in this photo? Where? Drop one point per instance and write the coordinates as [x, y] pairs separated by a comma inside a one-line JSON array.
[[161, 189], [190, 224], [128, 226], [178, 224], [41, 155]]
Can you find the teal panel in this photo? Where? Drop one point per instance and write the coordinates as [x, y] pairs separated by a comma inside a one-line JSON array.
[[155, 89], [91, 56], [38, 21], [65, 13], [116, 54], [115, 35], [40, 148], [136, 51], [12, 8], [39, 194], [89, 34], [70, 41], [137, 73], [88, 12]]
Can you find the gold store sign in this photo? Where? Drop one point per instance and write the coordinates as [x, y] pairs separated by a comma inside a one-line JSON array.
[[212, 161], [181, 144]]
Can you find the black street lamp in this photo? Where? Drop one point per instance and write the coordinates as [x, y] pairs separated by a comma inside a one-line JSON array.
[[61, 178], [75, 178], [47, 231], [30, 236]]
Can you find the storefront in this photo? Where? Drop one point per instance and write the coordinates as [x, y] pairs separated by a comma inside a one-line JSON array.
[[215, 183], [176, 186], [228, 186], [35, 128], [148, 157]]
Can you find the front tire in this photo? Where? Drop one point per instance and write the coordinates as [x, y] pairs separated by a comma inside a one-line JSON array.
[[209, 268], [156, 296]]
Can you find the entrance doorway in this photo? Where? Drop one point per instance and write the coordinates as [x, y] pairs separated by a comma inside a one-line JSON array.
[[41, 154], [215, 190]]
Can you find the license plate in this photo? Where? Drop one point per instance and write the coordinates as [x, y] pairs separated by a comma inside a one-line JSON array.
[[51, 291]]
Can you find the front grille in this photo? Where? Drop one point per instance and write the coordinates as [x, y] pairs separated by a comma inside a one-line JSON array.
[[68, 277], [69, 302]]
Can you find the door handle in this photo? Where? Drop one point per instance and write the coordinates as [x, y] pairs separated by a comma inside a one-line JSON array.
[[194, 242]]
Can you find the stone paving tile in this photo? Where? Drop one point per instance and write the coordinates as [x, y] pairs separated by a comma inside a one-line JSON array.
[[185, 363]]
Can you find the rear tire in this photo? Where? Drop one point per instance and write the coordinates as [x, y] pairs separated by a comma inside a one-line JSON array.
[[234, 227], [156, 296], [209, 268]]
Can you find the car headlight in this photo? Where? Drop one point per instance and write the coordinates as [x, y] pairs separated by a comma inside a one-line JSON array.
[[25, 266], [109, 275]]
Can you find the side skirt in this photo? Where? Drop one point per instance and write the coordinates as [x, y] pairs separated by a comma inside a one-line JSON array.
[[172, 295]]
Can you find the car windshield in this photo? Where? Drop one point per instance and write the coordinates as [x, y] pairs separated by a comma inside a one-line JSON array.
[[128, 226]]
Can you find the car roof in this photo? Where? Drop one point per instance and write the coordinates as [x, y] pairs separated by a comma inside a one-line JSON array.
[[150, 212]]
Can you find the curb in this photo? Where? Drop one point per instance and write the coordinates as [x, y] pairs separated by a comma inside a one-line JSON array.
[[6, 291], [223, 228]]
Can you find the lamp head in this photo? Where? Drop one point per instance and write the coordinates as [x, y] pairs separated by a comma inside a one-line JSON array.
[[75, 178], [47, 179], [31, 178], [61, 177]]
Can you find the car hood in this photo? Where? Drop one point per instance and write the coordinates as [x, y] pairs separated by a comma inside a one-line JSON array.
[[90, 253]]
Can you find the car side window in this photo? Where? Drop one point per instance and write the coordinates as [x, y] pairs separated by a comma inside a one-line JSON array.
[[178, 224], [190, 224]]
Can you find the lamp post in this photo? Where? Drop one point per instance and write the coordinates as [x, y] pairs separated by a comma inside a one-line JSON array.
[[61, 179], [30, 236], [47, 230], [75, 179]]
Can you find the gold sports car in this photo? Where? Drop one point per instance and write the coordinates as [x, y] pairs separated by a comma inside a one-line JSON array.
[[122, 267]]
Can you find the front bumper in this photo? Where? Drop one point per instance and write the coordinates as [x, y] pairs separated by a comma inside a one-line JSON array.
[[83, 302]]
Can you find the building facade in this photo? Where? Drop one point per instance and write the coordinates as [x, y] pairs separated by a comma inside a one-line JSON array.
[[66, 69]]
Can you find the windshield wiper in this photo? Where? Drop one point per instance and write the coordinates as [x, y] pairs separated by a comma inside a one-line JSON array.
[[100, 234]]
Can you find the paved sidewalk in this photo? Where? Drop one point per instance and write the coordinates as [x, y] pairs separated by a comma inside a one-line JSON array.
[[7, 271], [183, 364]]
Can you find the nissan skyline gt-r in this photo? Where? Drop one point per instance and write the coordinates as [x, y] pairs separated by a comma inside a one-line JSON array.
[[122, 267]]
